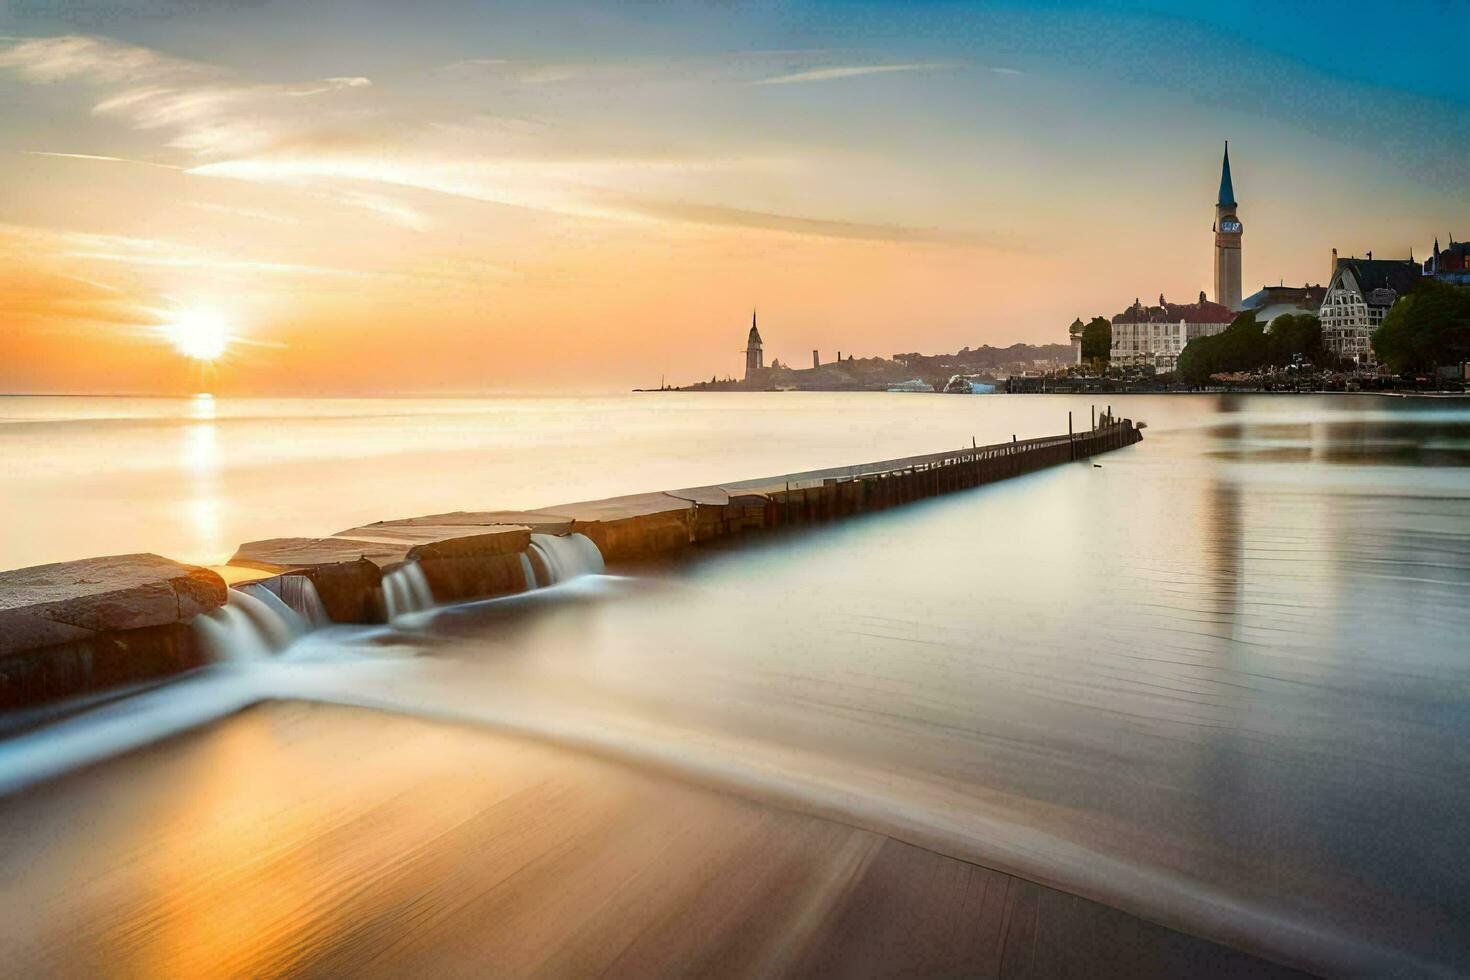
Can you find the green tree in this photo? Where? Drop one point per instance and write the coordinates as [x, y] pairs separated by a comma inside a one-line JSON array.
[[1427, 327], [1294, 335], [1097, 340], [1199, 359], [1243, 346]]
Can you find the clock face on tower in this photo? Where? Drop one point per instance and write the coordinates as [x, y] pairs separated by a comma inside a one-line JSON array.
[[1229, 226]]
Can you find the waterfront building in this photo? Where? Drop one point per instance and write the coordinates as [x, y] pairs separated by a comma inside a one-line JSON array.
[[1451, 264], [1155, 336], [1228, 233], [1075, 333], [1271, 302], [1358, 297], [755, 360]]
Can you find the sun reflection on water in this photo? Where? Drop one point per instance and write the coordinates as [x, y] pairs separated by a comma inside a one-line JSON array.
[[199, 458]]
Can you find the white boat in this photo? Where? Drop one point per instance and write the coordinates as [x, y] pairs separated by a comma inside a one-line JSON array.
[[958, 385], [914, 385], [961, 385]]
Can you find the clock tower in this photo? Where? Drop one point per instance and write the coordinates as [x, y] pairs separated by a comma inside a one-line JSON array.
[[1228, 231]]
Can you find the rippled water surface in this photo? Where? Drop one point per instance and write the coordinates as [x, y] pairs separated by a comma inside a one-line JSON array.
[[1221, 678]]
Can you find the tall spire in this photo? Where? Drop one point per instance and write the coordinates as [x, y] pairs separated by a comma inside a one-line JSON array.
[[1227, 192]]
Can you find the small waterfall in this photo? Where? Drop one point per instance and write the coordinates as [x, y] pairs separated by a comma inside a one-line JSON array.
[[406, 590], [252, 624], [299, 592], [529, 571], [564, 557]]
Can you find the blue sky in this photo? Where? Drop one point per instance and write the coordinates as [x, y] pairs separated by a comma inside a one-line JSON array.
[[886, 176]]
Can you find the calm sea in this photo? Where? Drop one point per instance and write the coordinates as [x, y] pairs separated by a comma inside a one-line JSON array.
[[1221, 678]]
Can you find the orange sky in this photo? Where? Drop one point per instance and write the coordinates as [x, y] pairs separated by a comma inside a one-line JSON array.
[[501, 208]]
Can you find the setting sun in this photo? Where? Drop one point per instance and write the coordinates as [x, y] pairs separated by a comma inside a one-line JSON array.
[[198, 334]]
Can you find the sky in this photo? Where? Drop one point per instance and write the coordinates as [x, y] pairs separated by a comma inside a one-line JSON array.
[[367, 198]]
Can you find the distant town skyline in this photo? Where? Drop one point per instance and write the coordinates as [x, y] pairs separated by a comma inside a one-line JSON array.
[[357, 198]]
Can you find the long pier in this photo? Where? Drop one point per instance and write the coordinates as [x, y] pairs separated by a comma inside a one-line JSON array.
[[78, 627]]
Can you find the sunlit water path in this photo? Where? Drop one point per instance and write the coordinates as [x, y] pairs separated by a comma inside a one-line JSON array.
[[1219, 679]]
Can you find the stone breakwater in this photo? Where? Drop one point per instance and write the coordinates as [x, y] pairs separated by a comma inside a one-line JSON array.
[[83, 626]]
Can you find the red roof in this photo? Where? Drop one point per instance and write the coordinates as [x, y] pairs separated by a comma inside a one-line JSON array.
[[1205, 312]]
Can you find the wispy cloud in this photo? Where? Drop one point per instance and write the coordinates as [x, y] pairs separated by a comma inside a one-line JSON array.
[[321, 137], [221, 120], [96, 60], [583, 188], [99, 158], [207, 111], [707, 214], [851, 71], [395, 212], [149, 252]]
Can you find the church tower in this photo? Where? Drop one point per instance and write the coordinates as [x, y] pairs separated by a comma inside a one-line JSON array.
[[755, 361], [1228, 231]]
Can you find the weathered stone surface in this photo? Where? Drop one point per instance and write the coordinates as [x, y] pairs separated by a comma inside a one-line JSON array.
[[75, 601], [347, 573], [104, 660], [620, 508], [424, 541], [474, 576], [703, 496], [284, 554], [541, 523], [636, 526], [461, 562]]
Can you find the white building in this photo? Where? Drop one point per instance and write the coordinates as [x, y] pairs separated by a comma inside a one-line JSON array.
[[1357, 299], [1271, 302], [1155, 336]]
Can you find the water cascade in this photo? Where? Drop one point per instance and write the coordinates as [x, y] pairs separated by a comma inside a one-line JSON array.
[[564, 557], [528, 569], [299, 592], [252, 624], [406, 590]]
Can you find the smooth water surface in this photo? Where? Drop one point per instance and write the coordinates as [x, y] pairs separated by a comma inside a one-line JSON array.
[[192, 478], [1220, 678]]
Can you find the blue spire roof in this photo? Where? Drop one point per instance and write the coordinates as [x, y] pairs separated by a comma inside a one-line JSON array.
[[1227, 192]]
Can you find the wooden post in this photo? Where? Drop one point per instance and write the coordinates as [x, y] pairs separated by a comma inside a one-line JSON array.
[[1071, 446], [1094, 418]]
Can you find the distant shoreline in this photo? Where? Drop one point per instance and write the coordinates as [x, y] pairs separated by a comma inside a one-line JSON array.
[[1391, 393]]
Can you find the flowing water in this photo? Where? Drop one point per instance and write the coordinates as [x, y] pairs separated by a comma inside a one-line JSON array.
[[561, 558], [1219, 678], [406, 590], [256, 623]]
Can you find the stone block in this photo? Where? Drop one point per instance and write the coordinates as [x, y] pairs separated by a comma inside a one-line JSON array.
[[75, 601], [425, 541]]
